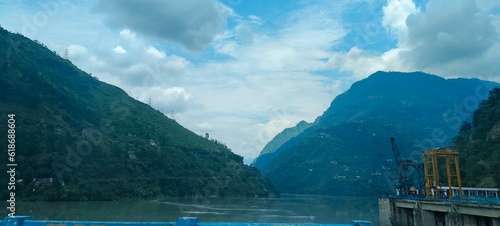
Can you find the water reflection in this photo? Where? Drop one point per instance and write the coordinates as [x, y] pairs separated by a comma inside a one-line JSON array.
[[288, 208]]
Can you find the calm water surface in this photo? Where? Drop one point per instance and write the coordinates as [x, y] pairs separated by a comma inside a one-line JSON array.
[[286, 209]]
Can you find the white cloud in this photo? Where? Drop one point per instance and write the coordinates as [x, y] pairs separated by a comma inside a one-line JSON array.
[[363, 63], [205, 126], [395, 14], [255, 79], [154, 52], [146, 65], [77, 51], [255, 19], [447, 39], [447, 33], [119, 50], [192, 24], [303, 43], [126, 33], [268, 83], [164, 98], [141, 69]]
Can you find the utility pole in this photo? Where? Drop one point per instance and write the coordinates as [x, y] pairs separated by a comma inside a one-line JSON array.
[[66, 53]]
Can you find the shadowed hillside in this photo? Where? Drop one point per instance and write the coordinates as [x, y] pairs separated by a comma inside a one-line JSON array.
[[479, 145], [347, 149], [81, 139]]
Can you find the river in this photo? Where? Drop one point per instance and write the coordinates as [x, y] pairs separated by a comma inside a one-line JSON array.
[[286, 209]]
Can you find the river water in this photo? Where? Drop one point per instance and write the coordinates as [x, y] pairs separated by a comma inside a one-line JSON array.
[[286, 209]]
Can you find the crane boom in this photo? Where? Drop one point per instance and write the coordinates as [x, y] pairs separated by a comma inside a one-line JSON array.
[[395, 149], [405, 181]]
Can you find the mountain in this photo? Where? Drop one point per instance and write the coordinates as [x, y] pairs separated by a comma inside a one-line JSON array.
[[478, 144], [271, 149], [77, 138], [347, 150]]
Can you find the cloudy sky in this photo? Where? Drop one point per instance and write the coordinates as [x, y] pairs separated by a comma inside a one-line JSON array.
[[243, 70]]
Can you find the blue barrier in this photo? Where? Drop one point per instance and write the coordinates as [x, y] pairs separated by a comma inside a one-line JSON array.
[[182, 221], [360, 223]]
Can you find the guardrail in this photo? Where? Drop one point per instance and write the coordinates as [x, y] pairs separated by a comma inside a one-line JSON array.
[[182, 221], [465, 199]]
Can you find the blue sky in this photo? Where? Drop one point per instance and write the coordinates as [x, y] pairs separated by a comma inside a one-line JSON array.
[[243, 70]]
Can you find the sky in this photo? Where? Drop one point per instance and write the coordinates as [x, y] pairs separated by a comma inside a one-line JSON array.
[[244, 70]]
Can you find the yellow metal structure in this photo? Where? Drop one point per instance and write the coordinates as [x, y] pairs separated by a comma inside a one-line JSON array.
[[431, 172]]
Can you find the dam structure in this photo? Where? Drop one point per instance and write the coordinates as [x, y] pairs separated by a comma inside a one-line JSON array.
[[415, 211], [435, 201]]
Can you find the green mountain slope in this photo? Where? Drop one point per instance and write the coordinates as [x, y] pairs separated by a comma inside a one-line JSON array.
[[269, 151], [347, 151], [81, 139], [479, 145]]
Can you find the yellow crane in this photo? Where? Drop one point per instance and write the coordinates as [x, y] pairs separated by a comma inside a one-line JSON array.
[[431, 172]]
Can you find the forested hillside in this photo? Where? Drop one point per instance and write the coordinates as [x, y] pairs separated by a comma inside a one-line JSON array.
[[347, 150], [479, 145], [78, 138]]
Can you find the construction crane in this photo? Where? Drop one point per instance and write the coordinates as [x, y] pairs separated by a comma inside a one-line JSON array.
[[431, 168], [405, 181]]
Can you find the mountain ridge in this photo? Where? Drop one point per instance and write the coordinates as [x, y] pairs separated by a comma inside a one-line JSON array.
[[81, 139], [419, 109]]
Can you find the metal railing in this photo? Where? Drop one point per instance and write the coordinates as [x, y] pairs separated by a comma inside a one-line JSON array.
[[182, 221]]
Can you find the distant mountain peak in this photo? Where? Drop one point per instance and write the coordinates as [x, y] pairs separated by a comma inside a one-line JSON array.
[[348, 146]]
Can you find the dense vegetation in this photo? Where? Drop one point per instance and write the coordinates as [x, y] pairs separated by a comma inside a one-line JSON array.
[[347, 150], [479, 145], [81, 139]]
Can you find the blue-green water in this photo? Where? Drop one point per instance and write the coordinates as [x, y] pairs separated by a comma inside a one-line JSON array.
[[286, 209]]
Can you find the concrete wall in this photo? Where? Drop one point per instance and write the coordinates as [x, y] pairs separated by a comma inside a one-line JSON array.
[[428, 218], [423, 212], [384, 206]]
